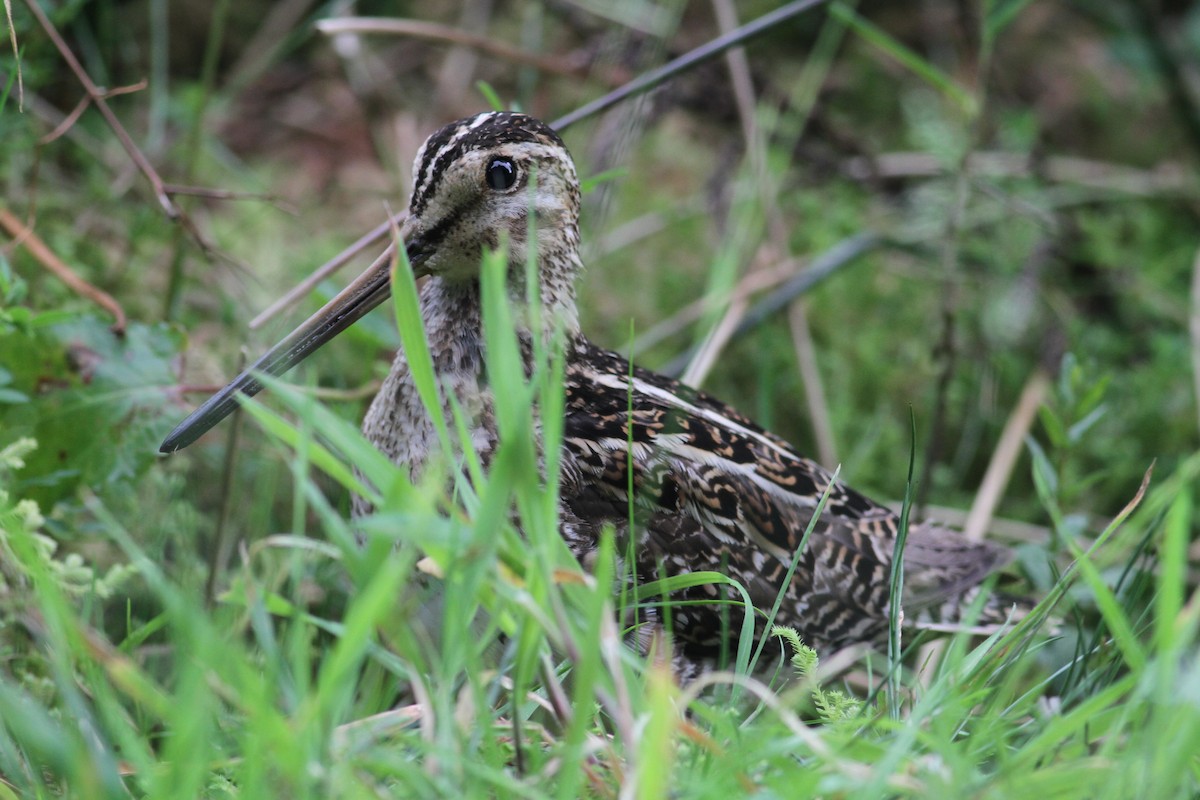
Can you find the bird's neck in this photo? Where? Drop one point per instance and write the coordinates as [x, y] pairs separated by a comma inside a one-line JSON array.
[[452, 316], [452, 312]]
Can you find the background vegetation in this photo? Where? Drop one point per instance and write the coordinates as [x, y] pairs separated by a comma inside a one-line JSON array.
[[1020, 178]]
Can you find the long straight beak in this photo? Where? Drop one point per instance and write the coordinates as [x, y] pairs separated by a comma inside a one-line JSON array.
[[351, 304]]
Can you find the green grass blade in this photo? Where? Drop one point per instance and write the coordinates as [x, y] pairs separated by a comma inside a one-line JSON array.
[[409, 321], [920, 67]]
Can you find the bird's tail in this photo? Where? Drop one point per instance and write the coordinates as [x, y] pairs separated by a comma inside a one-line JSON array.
[[966, 613]]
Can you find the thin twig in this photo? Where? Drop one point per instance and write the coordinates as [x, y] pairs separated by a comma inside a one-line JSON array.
[[221, 194], [25, 236], [810, 379], [293, 296], [175, 189], [560, 704], [98, 97], [219, 552], [840, 255], [743, 91], [702, 358], [12, 39], [132, 88], [67, 122], [1166, 177], [699, 55], [53, 117], [758, 281], [434, 32], [1004, 457]]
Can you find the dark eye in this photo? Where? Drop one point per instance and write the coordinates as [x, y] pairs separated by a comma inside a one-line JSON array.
[[501, 174]]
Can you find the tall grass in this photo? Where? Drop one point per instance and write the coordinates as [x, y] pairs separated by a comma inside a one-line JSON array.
[[449, 645], [473, 657]]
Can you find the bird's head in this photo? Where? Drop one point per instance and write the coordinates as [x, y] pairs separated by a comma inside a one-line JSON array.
[[476, 183]]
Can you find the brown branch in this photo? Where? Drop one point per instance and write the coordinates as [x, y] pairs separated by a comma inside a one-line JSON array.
[[25, 236], [814, 387], [1004, 458], [447, 35], [67, 122], [12, 38], [132, 88], [1166, 178], [174, 189], [99, 96]]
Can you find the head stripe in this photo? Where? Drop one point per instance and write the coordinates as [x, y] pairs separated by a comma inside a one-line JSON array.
[[448, 145]]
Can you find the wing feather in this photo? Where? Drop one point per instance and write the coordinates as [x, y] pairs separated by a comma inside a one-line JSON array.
[[717, 492]]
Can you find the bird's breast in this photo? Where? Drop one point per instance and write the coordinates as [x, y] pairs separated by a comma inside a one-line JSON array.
[[399, 424]]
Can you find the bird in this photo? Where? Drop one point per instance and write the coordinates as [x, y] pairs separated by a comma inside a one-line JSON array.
[[711, 489]]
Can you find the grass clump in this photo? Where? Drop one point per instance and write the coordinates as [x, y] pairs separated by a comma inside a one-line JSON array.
[[472, 656], [213, 626]]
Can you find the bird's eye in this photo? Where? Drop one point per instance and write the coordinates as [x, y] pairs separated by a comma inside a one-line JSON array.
[[501, 174]]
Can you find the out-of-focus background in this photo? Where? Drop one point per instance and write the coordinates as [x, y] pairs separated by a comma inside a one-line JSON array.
[[1032, 175], [1019, 179]]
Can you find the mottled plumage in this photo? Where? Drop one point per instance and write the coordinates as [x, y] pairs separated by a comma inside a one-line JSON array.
[[719, 493], [712, 491]]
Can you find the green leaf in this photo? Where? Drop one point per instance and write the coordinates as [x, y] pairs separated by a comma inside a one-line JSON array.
[[336, 468], [1055, 431], [1118, 622], [607, 176], [1094, 394], [490, 95], [906, 57], [1043, 470], [98, 404], [1076, 431], [1172, 582], [999, 15]]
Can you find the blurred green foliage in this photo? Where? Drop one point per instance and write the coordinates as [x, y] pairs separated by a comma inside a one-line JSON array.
[[1070, 251]]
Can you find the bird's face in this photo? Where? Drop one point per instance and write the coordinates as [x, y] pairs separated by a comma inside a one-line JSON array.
[[475, 184]]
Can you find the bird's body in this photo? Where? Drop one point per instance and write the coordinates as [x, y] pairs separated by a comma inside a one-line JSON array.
[[712, 491]]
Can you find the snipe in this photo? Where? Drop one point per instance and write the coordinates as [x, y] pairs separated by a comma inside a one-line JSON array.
[[713, 491]]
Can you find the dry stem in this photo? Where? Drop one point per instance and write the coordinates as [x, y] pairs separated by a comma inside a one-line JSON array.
[[24, 235]]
